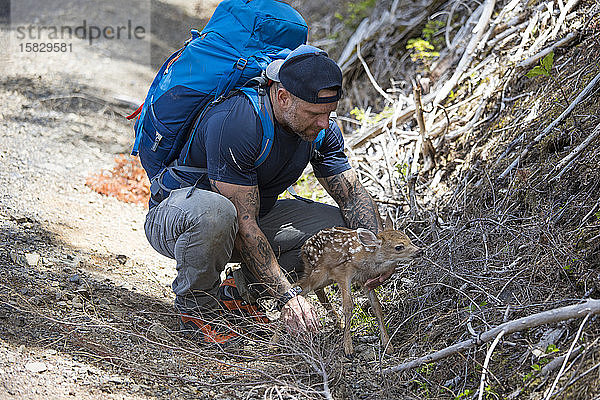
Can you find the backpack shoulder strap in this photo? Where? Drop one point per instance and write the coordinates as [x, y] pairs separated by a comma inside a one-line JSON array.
[[262, 106], [319, 140]]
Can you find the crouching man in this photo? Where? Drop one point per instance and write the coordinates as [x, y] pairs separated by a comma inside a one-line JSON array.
[[216, 207]]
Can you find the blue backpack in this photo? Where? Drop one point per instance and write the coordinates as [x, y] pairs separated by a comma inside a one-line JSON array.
[[235, 47]]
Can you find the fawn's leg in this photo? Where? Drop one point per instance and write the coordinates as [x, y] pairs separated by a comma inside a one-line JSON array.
[[325, 302], [347, 306], [385, 339]]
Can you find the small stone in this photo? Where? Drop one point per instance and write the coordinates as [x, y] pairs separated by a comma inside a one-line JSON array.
[[20, 219], [158, 331], [32, 259], [74, 262], [77, 303], [36, 367], [116, 379], [74, 278], [51, 352], [15, 257]]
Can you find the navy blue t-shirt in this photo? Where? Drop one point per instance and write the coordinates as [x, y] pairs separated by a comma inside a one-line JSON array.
[[227, 142]]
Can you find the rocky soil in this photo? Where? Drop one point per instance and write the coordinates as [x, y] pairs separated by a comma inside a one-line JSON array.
[[85, 303]]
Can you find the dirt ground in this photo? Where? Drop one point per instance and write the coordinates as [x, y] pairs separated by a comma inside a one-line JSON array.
[[85, 303], [68, 254]]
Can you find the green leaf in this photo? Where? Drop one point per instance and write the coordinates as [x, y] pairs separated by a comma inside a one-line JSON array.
[[548, 61], [537, 70], [536, 367], [551, 349]]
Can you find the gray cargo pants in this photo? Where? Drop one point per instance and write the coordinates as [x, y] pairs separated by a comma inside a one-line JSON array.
[[199, 233]]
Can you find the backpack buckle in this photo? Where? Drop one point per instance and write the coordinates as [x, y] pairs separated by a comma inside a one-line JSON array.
[[241, 63]]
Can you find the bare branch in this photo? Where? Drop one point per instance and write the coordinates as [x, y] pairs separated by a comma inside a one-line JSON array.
[[546, 317]]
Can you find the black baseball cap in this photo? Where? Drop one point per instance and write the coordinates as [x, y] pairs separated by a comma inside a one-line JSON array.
[[306, 71]]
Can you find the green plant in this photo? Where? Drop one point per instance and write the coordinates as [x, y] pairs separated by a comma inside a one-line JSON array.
[[355, 12], [490, 393], [431, 28], [423, 389], [426, 369], [466, 393], [536, 367], [544, 68], [422, 50], [551, 349], [403, 170], [362, 320], [308, 187], [597, 214], [371, 119]]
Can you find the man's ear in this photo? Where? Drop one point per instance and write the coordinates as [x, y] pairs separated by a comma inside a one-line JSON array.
[[284, 98]]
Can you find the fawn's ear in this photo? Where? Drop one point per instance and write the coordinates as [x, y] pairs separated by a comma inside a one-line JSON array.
[[368, 238], [388, 224]]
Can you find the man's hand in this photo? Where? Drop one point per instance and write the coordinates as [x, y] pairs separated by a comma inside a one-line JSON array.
[[373, 283], [299, 316]]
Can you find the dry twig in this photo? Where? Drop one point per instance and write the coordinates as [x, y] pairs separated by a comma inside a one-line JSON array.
[[581, 97], [546, 317], [567, 357]]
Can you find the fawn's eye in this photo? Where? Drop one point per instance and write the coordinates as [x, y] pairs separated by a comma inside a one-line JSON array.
[[399, 247]]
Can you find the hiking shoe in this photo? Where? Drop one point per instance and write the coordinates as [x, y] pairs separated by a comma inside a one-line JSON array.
[[212, 332], [230, 300]]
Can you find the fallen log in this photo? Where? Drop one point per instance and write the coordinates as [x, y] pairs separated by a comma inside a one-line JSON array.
[[591, 306]]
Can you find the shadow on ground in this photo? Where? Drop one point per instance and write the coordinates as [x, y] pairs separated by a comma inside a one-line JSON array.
[[56, 297]]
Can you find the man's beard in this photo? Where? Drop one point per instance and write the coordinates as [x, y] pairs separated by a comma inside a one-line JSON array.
[[296, 126]]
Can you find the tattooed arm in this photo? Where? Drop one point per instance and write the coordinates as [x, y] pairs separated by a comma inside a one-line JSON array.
[[357, 206], [258, 255]]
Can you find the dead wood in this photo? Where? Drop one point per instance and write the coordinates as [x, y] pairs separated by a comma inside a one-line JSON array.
[[565, 164], [486, 13], [529, 62], [582, 96], [558, 361], [546, 317], [424, 144]]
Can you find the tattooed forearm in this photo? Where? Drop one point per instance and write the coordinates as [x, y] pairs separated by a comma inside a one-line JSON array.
[[258, 256], [252, 244], [357, 206]]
